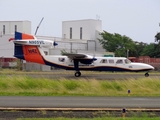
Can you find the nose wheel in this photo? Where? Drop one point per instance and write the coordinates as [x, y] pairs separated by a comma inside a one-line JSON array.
[[146, 74], [77, 74]]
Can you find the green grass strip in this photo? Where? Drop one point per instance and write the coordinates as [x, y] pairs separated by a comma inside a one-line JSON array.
[[103, 118], [21, 85]]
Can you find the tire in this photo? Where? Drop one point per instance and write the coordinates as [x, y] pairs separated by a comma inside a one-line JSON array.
[[77, 74], [146, 74]]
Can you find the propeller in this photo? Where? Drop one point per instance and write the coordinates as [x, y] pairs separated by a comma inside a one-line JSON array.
[[94, 59], [55, 44]]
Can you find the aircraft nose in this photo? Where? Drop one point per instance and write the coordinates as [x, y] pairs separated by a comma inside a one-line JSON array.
[[151, 67]]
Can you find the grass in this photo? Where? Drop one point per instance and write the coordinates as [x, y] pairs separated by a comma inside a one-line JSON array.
[[22, 85], [103, 118]]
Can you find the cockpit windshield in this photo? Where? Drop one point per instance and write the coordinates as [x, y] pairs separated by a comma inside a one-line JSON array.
[[127, 61]]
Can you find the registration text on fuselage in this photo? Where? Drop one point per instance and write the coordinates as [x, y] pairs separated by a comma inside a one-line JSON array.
[[36, 42]]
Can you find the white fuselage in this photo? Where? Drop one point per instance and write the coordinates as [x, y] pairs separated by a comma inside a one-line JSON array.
[[103, 63]]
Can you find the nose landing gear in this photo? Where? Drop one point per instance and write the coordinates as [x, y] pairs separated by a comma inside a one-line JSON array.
[[146, 74]]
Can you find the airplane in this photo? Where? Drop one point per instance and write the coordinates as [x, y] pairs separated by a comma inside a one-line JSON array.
[[28, 47]]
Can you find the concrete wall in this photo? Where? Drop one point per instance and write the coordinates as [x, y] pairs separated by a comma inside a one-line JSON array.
[[6, 47], [29, 66]]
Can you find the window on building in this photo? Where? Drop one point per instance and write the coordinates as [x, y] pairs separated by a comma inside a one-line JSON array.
[[4, 30], [80, 32], [15, 28], [70, 32]]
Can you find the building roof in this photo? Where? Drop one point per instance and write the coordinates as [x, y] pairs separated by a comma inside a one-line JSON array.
[[82, 20]]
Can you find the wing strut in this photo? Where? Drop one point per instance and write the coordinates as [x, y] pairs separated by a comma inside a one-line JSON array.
[[76, 66]]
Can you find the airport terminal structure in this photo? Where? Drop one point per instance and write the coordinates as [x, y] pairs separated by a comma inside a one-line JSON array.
[[78, 36]]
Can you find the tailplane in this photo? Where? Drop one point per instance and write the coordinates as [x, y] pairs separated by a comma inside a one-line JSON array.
[[26, 52]]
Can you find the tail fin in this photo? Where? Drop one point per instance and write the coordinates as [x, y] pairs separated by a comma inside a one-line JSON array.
[[27, 52], [22, 36], [18, 49]]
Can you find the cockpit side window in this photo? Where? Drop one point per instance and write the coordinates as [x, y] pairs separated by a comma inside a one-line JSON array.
[[127, 61], [120, 61]]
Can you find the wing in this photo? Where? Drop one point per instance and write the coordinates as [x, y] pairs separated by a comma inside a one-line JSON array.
[[76, 55], [82, 58]]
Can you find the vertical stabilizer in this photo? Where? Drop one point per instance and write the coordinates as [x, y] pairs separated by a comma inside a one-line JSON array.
[[27, 52]]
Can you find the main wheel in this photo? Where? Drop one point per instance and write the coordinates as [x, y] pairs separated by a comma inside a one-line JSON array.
[[77, 74], [146, 74]]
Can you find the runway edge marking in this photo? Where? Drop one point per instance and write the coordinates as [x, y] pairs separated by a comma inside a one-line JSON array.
[[82, 109]]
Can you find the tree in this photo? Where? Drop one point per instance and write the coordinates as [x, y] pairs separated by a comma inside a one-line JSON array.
[[149, 50], [139, 48], [117, 43], [157, 37], [157, 46]]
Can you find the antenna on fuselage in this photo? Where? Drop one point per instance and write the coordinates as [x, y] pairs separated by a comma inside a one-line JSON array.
[[38, 26]]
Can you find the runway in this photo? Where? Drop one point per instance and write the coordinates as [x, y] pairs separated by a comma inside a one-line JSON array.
[[87, 75], [79, 102]]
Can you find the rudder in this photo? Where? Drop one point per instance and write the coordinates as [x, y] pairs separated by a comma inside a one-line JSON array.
[[27, 52]]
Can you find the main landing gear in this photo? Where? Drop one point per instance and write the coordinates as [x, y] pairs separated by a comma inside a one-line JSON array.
[[146, 74], [76, 66], [77, 74]]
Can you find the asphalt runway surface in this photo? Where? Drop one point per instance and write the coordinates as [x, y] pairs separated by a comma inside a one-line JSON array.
[[90, 75], [79, 102]]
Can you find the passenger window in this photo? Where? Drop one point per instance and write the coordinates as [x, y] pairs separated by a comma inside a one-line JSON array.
[[119, 61], [45, 52], [103, 61], [111, 61], [61, 59]]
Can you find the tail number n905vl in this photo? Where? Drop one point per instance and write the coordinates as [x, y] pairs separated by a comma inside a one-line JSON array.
[[36, 42]]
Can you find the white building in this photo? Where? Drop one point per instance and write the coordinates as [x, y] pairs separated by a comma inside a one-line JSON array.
[[81, 29], [86, 30], [79, 36], [7, 29]]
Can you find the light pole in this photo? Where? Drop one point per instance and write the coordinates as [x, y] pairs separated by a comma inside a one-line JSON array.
[[127, 53]]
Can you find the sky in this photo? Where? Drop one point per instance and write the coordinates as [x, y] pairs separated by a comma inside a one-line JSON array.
[[137, 19]]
